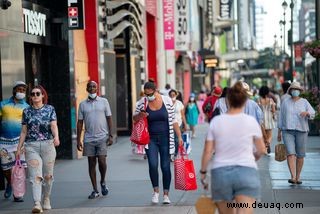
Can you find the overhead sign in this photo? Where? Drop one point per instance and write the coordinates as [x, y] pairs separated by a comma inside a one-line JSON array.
[[34, 22], [75, 14], [225, 9], [182, 23], [168, 24]]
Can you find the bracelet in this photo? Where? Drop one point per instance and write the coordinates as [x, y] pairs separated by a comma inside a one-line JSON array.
[[203, 172]]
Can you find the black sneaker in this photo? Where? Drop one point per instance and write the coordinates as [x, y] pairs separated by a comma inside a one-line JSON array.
[[268, 149], [104, 189], [94, 195], [17, 199], [8, 192]]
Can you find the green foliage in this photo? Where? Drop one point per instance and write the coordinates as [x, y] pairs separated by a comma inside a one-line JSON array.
[[313, 96]]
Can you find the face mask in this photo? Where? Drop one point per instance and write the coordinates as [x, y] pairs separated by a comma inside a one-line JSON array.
[[20, 96], [92, 96], [173, 98], [192, 99], [295, 93], [151, 98]]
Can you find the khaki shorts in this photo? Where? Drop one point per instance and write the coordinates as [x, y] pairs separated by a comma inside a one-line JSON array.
[[95, 148]]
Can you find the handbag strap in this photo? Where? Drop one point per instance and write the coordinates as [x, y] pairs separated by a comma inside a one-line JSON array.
[[182, 152], [145, 103], [18, 161]]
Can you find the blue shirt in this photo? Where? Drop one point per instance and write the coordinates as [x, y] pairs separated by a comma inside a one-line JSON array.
[[158, 120], [38, 123], [290, 118], [252, 108]]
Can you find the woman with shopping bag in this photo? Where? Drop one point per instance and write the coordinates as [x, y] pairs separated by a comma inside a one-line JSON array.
[[236, 140], [162, 123]]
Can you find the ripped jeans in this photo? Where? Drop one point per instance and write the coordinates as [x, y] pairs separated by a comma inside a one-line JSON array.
[[40, 158]]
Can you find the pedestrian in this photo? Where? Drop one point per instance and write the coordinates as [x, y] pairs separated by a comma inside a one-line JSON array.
[[293, 128], [268, 108], [208, 105], [39, 136], [285, 86], [10, 116], [161, 124], [192, 114], [222, 103], [166, 90], [236, 139], [201, 98], [179, 115], [95, 114]]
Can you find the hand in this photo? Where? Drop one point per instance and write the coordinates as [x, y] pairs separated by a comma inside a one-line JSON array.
[[204, 182], [109, 141], [79, 146], [18, 152], [279, 137], [180, 141], [304, 114], [56, 141], [143, 114]]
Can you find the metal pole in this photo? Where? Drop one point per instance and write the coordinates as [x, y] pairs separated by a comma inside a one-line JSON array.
[[291, 44], [318, 38]]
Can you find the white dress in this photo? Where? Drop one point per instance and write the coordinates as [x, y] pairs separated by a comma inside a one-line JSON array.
[[268, 115]]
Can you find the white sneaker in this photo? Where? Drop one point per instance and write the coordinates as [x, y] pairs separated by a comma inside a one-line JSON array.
[[46, 204], [155, 198], [166, 199], [37, 207]]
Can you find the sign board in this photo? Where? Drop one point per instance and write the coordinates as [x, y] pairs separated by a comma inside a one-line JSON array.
[[75, 14], [168, 24], [34, 22], [182, 25], [225, 9]]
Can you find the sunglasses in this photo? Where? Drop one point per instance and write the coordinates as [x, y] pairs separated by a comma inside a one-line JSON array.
[[33, 94]]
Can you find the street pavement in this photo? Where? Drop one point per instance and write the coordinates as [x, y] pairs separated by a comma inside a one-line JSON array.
[[130, 189]]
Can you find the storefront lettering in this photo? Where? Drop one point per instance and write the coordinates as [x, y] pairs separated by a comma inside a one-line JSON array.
[[72, 2], [34, 22], [225, 7]]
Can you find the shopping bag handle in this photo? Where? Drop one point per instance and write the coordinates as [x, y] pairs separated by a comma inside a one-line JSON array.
[[18, 161], [182, 152]]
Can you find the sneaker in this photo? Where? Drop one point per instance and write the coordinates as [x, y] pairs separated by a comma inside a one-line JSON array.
[[268, 149], [94, 195], [155, 198], [37, 207], [17, 199], [8, 192], [104, 189], [166, 200], [46, 204]]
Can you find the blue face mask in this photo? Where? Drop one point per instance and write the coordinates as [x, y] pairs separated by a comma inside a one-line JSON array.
[[295, 93]]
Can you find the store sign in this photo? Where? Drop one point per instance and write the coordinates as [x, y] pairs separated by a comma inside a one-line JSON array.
[[182, 23], [34, 22], [225, 9], [168, 24], [298, 53], [75, 14]]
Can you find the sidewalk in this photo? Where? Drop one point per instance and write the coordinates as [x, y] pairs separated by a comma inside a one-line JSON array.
[[131, 191]]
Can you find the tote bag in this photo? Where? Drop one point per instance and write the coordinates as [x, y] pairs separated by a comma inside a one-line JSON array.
[[280, 152], [184, 173], [18, 179], [140, 134], [205, 205]]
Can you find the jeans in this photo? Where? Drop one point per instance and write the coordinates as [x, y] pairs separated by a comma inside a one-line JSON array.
[[40, 158], [159, 144], [295, 142]]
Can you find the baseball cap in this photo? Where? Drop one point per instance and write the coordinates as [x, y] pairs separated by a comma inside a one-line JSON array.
[[247, 88], [217, 91], [18, 83]]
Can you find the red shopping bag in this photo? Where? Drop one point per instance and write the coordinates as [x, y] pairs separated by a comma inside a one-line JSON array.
[[18, 179], [140, 134], [184, 173]]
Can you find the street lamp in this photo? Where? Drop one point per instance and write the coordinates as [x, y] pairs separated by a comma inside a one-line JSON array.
[[283, 22], [291, 40]]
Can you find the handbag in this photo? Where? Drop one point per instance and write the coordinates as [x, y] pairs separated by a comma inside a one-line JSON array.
[[186, 137], [280, 152], [18, 179], [140, 134], [184, 173], [205, 205]]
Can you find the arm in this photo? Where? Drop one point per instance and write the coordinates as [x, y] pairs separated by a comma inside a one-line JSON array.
[[310, 112], [176, 129], [22, 138], [184, 121], [260, 148], [55, 132], [110, 139], [79, 131], [206, 156]]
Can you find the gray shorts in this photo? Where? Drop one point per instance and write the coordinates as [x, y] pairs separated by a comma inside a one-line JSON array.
[[296, 142], [95, 148]]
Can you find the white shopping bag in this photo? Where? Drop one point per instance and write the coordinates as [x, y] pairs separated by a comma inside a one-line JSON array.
[[186, 137]]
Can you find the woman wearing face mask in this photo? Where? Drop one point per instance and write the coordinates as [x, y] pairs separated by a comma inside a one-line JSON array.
[[161, 123], [192, 114], [293, 124], [179, 114]]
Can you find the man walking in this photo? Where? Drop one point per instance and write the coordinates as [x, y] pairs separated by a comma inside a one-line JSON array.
[[10, 116], [95, 114]]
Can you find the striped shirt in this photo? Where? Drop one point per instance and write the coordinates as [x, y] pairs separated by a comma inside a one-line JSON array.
[[171, 117], [252, 108], [290, 118]]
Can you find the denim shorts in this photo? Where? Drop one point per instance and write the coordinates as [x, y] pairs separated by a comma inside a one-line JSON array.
[[295, 142], [230, 181], [95, 148]]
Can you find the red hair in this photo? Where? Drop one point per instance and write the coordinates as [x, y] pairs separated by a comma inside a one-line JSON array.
[[43, 92]]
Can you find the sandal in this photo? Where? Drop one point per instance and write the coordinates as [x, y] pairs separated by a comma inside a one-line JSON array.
[[291, 181], [298, 182]]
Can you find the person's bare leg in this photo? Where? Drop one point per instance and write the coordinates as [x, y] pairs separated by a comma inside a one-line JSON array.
[[299, 162], [247, 204], [224, 209], [92, 162], [291, 160]]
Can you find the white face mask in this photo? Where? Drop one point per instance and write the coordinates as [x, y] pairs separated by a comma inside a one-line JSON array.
[[151, 98], [173, 98], [191, 99], [92, 96], [20, 96]]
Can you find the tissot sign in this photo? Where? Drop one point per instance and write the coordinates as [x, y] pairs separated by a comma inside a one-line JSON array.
[[34, 22], [75, 14]]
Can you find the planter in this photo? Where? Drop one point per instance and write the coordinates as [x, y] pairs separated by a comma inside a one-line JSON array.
[[314, 128]]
